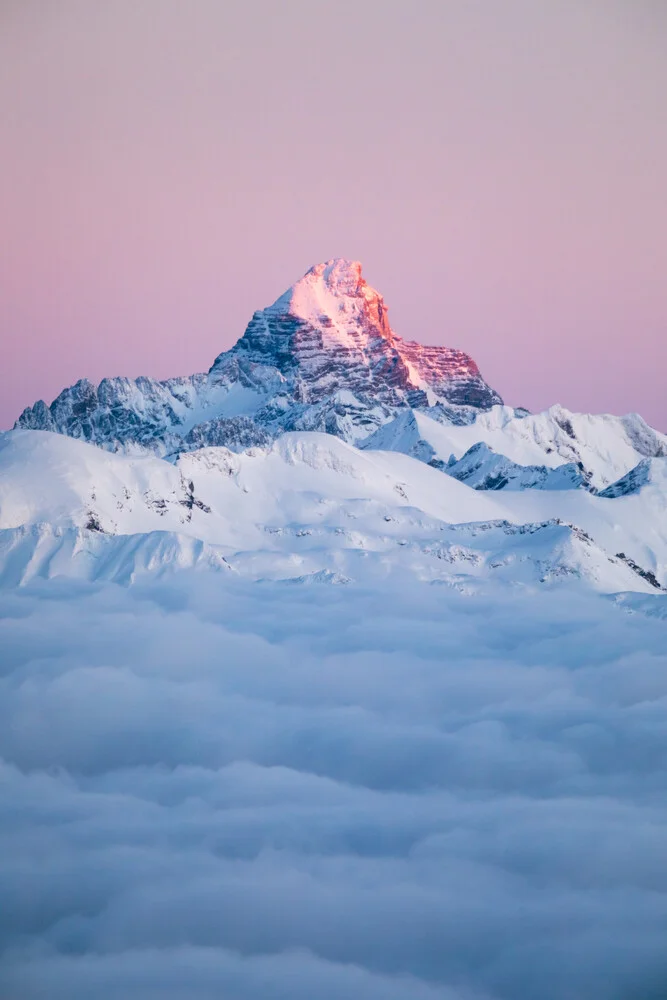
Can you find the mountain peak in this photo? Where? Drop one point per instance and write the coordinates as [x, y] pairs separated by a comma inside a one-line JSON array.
[[331, 331], [341, 276], [334, 292], [321, 357]]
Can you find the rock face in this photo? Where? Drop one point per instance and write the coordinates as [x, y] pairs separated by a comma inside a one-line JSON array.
[[650, 471], [322, 357], [330, 332], [120, 411]]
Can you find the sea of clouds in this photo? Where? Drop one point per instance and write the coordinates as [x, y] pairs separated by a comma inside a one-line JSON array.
[[283, 792]]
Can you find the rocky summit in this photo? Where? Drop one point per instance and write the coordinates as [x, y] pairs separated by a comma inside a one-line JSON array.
[[323, 357]]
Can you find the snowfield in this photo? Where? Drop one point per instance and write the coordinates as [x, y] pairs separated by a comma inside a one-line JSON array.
[[310, 505], [605, 446]]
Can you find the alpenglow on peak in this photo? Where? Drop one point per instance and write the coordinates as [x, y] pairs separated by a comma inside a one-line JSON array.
[[338, 277], [322, 357], [333, 328]]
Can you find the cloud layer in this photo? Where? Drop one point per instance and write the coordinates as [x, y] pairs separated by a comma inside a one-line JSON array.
[[289, 792]]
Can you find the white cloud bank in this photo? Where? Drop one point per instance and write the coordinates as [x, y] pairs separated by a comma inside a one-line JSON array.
[[282, 792]]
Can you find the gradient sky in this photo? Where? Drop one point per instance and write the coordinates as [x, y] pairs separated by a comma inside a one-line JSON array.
[[499, 166]]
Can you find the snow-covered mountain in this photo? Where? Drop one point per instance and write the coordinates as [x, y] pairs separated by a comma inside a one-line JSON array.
[[322, 357], [586, 449], [322, 447], [483, 469], [308, 507]]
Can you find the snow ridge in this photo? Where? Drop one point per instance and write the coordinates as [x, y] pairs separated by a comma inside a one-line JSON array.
[[309, 507]]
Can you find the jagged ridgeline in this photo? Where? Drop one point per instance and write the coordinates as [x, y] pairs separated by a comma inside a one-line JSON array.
[[323, 357], [414, 459]]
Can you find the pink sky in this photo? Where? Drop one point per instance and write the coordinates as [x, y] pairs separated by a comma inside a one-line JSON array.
[[166, 168]]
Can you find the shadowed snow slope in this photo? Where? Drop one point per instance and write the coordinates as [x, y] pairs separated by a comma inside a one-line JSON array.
[[483, 469], [649, 474]]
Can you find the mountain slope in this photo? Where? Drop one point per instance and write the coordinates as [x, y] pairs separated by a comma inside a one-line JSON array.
[[307, 508], [483, 469], [601, 447], [649, 473]]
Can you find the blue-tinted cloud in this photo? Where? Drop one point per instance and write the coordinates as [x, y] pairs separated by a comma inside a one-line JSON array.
[[293, 792]]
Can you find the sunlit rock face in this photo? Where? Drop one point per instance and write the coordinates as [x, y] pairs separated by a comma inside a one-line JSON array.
[[330, 331], [322, 357]]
